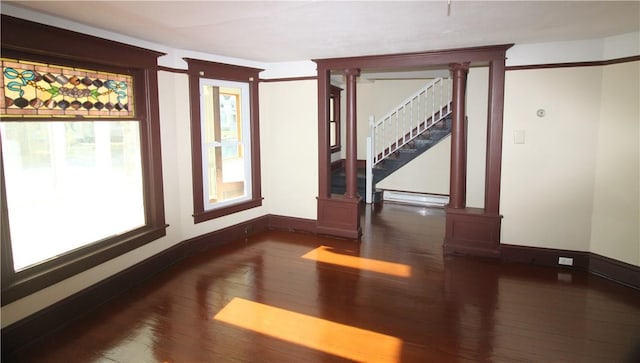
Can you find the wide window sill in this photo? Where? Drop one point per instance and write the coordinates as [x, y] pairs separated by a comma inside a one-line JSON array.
[[234, 208], [48, 273]]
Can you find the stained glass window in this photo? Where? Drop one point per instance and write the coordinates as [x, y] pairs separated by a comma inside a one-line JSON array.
[[32, 89]]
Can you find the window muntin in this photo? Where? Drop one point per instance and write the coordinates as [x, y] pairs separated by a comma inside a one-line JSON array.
[[226, 147]]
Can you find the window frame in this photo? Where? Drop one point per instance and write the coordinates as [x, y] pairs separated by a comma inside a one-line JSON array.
[[27, 40], [334, 95], [225, 72]]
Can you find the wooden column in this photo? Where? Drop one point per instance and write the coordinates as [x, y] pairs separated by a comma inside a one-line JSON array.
[[494, 137], [351, 169], [338, 215], [458, 173], [475, 231], [324, 158]]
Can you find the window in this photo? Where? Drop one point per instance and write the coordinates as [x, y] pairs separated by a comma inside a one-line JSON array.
[[225, 139], [81, 181], [334, 118]]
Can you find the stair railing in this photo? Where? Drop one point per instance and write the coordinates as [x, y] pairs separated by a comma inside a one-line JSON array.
[[410, 118], [404, 123]]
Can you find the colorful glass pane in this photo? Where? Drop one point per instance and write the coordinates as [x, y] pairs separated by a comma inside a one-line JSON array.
[[44, 90]]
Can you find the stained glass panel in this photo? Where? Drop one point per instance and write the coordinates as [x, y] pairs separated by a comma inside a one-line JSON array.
[[31, 89]]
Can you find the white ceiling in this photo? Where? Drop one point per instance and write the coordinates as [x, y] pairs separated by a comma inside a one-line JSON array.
[[274, 31]]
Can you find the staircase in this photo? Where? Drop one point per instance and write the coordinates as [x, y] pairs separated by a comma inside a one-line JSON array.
[[413, 127]]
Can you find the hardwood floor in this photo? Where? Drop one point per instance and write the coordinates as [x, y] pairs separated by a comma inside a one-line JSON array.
[[294, 297]]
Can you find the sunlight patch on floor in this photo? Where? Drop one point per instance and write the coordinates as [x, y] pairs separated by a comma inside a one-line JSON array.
[[338, 339], [326, 255]]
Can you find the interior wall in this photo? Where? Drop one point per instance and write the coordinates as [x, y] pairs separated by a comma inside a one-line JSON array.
[[365, 95], [615, 227], [547, 181], [289, 139]]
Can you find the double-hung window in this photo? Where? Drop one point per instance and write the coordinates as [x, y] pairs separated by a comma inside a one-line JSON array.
[[81, 177], [225, 138]]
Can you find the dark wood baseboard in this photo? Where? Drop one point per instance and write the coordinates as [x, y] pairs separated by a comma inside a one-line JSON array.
[[543, 256], [615, 270], [292, 224], [606, 267]]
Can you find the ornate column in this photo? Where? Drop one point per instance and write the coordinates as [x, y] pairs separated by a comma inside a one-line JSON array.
[[458, 173], [351, 168]]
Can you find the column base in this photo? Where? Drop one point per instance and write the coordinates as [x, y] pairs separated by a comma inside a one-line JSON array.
[[471, 231], [339, 217]]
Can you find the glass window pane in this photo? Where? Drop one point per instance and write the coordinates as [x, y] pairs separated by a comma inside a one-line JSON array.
[[226, 164], [78, 182]]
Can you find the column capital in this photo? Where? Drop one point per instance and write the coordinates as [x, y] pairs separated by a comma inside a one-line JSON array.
[[352, 72], [464, 67]]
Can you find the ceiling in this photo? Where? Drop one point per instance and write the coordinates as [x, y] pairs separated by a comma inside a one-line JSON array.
[[276, 31]]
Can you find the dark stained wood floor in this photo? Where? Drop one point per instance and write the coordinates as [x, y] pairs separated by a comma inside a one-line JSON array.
[[391, 298]]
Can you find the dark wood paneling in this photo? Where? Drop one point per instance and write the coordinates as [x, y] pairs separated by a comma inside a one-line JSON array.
[[471, 231], [339, 217]]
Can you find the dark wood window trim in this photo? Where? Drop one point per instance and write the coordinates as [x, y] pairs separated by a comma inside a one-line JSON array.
[[40, 42], [212, 70], [334, 94]]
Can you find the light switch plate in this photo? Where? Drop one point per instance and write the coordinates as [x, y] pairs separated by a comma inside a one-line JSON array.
[[518, 137]]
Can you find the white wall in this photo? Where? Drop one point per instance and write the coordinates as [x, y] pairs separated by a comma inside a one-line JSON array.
[[615, 224], [547, 182], [289, 131], [575, 182]]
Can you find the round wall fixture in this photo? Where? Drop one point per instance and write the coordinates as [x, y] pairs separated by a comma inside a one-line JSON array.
[[541, 112]]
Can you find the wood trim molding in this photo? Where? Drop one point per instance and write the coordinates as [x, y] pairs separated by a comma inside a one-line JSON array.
[[292, 224], [575, 64], [614, 270], [289, 79], [543, 256], [172, 70], [618, 271]]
